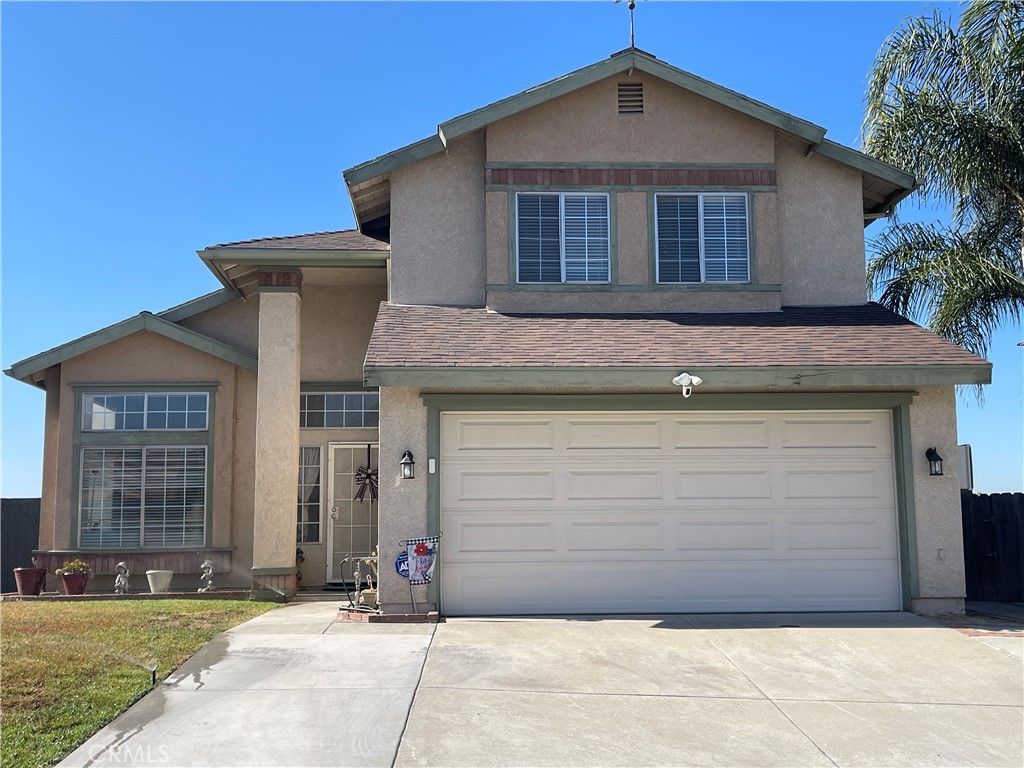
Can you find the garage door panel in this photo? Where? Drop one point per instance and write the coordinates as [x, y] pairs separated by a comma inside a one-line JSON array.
[[870, 433], [665, 512], [734, 483], [701, 433], [489, 434], [857, 584], [863, 484], [724, 535], [615, 536], [505, 485], [610, 434], [614, 484], [859, 536], [503, 536]]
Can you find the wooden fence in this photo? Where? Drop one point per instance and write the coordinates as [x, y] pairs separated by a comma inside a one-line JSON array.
[[994, 545], [19, 535]]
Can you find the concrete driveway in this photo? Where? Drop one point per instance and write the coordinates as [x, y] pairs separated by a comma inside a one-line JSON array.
[[292, 688], [786, 690]]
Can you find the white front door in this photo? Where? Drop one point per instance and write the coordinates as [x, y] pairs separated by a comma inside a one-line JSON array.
[[352, 508], [633, 512]]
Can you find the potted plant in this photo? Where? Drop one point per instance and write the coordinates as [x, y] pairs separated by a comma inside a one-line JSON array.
[[75, 575], [30, 581]]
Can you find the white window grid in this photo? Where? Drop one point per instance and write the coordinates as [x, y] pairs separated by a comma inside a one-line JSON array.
[[308, 528], [145, 411], [143, 496], [586, 261], [701, 238], [339, 410]]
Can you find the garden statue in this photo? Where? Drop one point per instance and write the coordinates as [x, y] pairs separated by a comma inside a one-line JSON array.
[[207, 577], [121, 580]]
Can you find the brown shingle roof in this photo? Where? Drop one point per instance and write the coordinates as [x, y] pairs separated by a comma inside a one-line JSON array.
[[342, 240], [866, 335]]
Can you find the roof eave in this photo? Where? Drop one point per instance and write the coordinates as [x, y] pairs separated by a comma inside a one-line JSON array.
[[731, 376], [27, 370]]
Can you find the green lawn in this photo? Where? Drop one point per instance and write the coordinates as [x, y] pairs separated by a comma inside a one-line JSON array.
[[68, 669]]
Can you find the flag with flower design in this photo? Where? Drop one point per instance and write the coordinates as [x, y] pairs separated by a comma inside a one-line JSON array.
[[422, 557]]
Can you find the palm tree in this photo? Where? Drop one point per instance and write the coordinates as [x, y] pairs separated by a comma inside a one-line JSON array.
[[947, 104]]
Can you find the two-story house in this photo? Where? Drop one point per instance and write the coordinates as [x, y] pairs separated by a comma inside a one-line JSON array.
[[524, 287]]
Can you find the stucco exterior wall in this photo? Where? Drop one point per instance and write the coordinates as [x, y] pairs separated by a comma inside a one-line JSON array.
[[632, 242], [940, 546], [336, 326], [764, 238], [585, 126], [438, 230], [821, 232], [235, 323], [403, 503], [146, 358], [497, 238]]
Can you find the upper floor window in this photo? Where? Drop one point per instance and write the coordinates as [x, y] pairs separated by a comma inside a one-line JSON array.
[[702, 237], [339, 409], [562, 237], [125, 412]]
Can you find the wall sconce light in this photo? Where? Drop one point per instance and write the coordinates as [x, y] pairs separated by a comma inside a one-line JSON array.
[[934, 462], [408, 466]]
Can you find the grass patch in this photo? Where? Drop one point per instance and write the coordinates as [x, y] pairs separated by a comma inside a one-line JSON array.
[[71, 668]]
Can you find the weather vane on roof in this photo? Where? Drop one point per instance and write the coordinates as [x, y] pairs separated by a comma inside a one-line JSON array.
[[632, 7]]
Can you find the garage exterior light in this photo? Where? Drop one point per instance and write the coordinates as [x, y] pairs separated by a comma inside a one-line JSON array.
[[934, 462], [408, 466]]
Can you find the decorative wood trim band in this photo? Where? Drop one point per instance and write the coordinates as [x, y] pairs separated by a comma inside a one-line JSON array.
[[286, 583], [140, 562], [631, 177], [290, 279]]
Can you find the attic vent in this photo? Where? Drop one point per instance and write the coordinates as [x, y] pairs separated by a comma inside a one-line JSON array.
[[631, 98]]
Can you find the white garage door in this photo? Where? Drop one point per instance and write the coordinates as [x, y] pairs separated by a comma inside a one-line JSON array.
[[600, 512]]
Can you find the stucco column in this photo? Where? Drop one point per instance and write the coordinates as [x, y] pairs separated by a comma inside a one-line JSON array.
[[51, 447], [940, 541], [277, 433]]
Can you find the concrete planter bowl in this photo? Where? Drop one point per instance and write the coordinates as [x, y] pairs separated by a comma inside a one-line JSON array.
[[159, 581]]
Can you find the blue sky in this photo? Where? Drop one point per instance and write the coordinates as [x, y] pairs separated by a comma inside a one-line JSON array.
[[134, 134]]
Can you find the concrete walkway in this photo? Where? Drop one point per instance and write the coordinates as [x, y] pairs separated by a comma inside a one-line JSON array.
[[292, 688], [288, 688]]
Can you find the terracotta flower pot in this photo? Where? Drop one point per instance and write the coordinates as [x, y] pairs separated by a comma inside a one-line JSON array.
[[74, 583], [30, 580]]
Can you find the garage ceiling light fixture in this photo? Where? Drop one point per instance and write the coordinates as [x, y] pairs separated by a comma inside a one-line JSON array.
[[687, 382], [934, 462]]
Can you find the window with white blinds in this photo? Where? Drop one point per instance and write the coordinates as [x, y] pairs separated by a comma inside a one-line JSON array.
[[562, 237], [143, 497], [702, 237]]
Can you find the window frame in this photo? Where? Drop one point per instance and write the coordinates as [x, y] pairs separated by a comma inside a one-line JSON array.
[[146, 395], [157, 438], [320, 503], [699, 194], [562, 194], [337, 391], [143, 450]]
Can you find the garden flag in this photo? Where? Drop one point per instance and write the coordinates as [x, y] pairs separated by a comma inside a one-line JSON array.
[[422, 556]]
